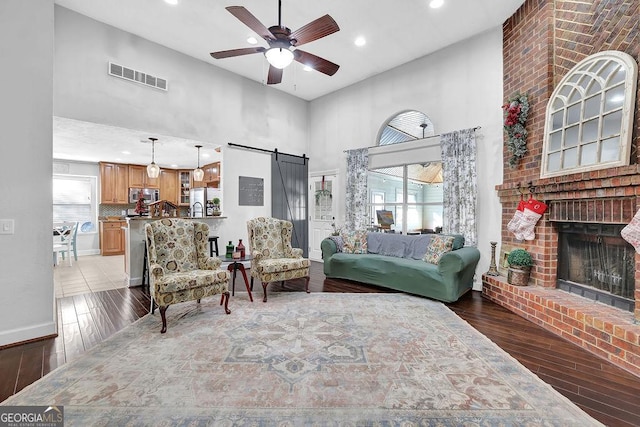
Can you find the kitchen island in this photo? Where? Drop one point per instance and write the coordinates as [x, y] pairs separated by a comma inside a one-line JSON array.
[[135, 243]]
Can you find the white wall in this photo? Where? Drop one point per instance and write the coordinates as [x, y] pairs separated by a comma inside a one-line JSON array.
[[458, 87], [26, 107], [204, 102], [241, 162]]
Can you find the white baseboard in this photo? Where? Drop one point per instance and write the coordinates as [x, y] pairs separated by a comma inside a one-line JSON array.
[[27, 333]]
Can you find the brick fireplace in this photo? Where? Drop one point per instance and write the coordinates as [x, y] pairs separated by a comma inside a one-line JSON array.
[[542, 41]]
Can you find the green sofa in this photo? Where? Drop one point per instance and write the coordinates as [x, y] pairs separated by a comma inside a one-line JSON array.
[[397, 264]]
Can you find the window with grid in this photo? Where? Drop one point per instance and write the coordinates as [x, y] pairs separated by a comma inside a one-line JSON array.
[[74, 199], [590, 116]]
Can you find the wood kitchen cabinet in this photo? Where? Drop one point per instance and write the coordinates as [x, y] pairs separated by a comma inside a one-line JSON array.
[[184, 186], [169, 185], [114, 183], [112, 237], [138, 178], [211, 176]]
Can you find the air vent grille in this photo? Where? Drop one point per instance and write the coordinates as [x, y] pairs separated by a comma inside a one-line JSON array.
[[137, 76]]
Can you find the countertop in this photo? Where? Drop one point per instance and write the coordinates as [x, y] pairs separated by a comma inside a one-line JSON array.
[[137, 218]]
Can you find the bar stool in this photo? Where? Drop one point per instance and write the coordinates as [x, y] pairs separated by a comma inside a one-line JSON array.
[[213, 240]]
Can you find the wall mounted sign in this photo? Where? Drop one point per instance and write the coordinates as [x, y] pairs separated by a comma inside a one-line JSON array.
[[251, 191]]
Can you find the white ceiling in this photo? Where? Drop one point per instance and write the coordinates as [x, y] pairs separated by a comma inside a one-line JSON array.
[[396, 33]]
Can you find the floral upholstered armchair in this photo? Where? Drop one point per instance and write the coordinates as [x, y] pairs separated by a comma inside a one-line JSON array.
[[274, 260], [180, 267]]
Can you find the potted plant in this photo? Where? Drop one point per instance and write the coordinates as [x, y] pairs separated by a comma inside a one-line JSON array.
[[216, 206], [520, 262]]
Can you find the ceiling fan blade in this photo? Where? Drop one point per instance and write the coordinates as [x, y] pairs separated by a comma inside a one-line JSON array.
[[250, 21], [314, 30], [315, 62], [237, 52], [275, 75]]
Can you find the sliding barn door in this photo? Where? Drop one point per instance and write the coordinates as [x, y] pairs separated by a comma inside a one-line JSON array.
[[289, 195]]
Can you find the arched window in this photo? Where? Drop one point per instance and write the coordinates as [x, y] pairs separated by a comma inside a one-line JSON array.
[[590, 116], [406, 126]]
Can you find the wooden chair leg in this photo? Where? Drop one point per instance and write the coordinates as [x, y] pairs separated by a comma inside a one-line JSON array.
[[163, 311], [264, 291], [306, 286], [225, 297]]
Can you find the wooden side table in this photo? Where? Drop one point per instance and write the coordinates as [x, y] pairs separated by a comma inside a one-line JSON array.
[[233, 267]]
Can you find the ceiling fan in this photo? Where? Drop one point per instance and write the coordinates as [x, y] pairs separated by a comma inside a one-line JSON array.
[[281, 39]]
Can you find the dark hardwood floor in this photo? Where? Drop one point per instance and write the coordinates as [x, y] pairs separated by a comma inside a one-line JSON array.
[[606, 392]]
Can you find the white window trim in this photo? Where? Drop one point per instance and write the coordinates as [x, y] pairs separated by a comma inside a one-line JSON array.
[[627, 113]]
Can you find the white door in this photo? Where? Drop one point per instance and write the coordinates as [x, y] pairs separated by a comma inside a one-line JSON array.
[[322, 193]]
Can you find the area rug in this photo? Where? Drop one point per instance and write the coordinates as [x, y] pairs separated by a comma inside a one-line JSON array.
[[302, 360]]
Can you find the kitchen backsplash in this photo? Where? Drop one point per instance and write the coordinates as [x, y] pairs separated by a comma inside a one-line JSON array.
[[114, 210]]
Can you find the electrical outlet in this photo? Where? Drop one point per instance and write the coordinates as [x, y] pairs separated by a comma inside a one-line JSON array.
[[6, 226]]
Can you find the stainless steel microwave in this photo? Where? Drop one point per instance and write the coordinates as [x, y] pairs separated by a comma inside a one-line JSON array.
[[148, 194]]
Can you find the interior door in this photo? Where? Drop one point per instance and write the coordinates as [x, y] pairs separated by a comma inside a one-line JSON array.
[[322, 199], [289, 183]]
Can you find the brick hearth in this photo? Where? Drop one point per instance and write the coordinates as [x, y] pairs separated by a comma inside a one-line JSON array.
[[606, 331], [542, 41]]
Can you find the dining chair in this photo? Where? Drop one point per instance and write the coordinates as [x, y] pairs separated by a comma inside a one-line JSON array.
[[72, 240], [63, 235]]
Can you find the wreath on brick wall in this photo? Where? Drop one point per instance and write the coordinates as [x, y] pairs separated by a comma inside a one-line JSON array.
[[515, 118]]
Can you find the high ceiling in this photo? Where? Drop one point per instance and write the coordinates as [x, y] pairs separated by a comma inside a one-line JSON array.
[[395, 32]]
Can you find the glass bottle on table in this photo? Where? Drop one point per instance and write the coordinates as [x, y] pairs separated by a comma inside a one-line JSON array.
[[240, 248], [229, 253]]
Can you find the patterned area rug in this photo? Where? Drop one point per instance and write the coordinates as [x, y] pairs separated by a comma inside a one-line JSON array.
[[302, 359]]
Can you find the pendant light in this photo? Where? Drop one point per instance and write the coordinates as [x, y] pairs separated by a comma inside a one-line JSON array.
[[198, 174], [153, 170]]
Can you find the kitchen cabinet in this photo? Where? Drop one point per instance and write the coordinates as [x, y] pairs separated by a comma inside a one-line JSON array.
[[211, 176], [112, 237], [184, 181], [169, 185], [138, 178], [114, 183]]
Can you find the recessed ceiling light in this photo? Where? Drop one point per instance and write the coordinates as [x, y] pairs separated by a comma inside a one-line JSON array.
[[360, 41], [252, 40], [174, 166], [126, 152], [206, 155], [436, 3], [171, 2]]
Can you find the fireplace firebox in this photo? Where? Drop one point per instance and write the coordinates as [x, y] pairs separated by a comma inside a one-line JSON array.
[[596, 263]]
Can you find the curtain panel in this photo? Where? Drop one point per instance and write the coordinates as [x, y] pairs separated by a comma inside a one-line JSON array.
[[356, 217], [460, 185]]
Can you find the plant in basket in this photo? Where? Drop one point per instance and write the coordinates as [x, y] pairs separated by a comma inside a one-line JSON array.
[[520, 262]]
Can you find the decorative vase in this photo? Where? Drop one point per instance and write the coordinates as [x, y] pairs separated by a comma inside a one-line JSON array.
[[518, 275], [229, 252], [240, 248]]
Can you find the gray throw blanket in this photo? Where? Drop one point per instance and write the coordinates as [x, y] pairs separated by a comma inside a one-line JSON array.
[[398, 245]]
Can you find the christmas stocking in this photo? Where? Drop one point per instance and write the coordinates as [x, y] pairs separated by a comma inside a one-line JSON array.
[[517, 216], [533, 210], [631, 232]]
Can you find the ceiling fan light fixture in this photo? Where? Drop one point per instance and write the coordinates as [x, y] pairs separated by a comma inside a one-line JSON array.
[[153, 170], [279, 57]]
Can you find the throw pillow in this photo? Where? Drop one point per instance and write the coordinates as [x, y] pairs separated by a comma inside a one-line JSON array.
[[355, 242], [338, 241], [438, 246]]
